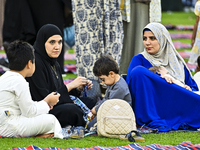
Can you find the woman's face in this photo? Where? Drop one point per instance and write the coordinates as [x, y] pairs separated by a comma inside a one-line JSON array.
[[150, 42], [53, 46]]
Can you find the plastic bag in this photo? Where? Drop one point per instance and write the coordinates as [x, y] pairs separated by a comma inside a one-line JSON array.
[[69, 35]]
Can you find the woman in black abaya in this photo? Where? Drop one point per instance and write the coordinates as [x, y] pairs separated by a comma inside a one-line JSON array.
[[48, 77]]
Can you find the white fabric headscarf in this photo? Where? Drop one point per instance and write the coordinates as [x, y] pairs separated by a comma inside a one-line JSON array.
[[167, 55]]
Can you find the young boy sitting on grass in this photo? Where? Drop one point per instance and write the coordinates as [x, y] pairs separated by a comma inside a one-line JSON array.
[[107, 70], [20, 116]]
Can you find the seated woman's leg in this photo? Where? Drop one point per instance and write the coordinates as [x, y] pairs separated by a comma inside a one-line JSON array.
[[161, 105], [68, 114], [89, 102]]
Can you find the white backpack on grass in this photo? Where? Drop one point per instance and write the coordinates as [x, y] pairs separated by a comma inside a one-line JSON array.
[[115, 117]]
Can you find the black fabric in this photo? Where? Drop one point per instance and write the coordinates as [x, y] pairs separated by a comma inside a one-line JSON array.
[[43, 81], [43, 35], [68, 17], [18, 22], [49, 12], [68, 3], [66, 117], [24, 18], [89, 102]]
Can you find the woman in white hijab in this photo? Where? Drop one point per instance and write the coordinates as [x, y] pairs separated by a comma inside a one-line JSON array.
[[157, 102]]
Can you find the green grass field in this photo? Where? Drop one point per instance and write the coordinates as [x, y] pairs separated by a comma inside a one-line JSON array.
[[179, 18], [164, 139], [70, 75], [176, 18]]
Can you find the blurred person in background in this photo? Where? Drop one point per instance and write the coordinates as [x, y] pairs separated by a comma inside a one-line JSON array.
[[23, 19], [195, 41], [2, 5], [188, 5]]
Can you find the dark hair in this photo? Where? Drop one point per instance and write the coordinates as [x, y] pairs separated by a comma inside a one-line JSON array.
[[198, 65], [104, 65], [155, 69], [146, 29], [198, 61], [19, 53]]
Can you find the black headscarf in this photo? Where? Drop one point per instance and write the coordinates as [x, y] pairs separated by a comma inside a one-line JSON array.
[[47, 77], [43, 35]]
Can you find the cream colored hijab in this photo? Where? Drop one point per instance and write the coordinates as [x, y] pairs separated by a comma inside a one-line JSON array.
[[167, 55]]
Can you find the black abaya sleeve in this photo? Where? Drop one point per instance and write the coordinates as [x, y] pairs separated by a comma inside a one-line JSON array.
[[41, 84]]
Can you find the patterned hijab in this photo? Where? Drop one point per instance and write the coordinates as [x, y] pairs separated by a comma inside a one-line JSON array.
[[167, 55], [43, 35]]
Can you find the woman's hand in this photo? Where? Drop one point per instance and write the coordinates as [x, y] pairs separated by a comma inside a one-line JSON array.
[[187, 87], [77, 83], [89, 84]]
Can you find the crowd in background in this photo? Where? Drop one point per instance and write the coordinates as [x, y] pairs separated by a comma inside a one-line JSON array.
[[103, 27]]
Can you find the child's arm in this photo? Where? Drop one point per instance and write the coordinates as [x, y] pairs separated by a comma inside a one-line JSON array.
[[168, 78], [30, 108], [194, 31], [91, 114], [187, 87], [52, 99], [181, 84], [94, 111]]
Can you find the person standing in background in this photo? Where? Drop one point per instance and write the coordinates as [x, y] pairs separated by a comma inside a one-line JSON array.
[[50, 12], [2, 5], [195, 41], [98, 30], [132, 44], [188, 5], [18, 23], [155, 11], [24, 18], [197, 73], [149, 11]]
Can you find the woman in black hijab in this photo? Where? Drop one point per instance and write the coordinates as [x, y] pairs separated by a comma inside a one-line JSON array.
[[48, 77]]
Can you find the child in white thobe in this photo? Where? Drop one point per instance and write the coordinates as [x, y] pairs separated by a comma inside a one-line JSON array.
[[20, 116]]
